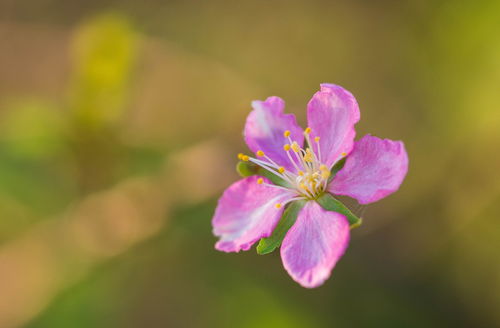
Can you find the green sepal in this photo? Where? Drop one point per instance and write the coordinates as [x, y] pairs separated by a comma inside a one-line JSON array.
[[246, 169], [268, 245], [329, 203], [337, 167]]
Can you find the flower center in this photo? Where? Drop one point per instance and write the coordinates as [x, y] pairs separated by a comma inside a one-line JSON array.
[[310, 177]]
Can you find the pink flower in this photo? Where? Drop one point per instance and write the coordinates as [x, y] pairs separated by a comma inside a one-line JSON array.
[[251, 208]]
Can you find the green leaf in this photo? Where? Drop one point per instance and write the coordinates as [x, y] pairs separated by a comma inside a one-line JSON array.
[[246, 169], [337, 167], [268, 245], [329, 203]]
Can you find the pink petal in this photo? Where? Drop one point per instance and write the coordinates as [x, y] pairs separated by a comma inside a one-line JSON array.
[[331, 114], [265, 126], [314, 244], [245, 213], [374, 169]]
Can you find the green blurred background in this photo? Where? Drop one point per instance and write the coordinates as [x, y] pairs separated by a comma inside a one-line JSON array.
[[119, 125]]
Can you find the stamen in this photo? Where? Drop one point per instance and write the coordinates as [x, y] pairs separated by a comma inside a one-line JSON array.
[[278, 205], [325, 174], [263, 164], [292, 199], [310, 177], [295, 198], [291, 159], [306, 190], [343, 154], [271, 161], [275, 186], [299, 154], [319, 149], [269, 167], [308, 157]]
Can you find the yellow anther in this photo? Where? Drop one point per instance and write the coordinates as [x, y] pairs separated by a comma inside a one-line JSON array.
[[240, 155], [286, 147], [316, 139], [323, 167], [281, 169], [343, 154], [260, 153], [308, 157], [244, 158], [325, 174], [300, 173], [295, 147], [307, 130], [278, 205], [287, 133], [260, 181]]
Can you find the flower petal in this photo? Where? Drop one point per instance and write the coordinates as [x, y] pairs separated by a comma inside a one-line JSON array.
[[314, 244], [246, 212], [265, 126], [331, 114], [374, 169]]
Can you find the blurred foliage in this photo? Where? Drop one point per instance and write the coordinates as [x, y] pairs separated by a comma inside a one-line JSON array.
[[110, 113], [56, 150], [104, 50], [34, 130]]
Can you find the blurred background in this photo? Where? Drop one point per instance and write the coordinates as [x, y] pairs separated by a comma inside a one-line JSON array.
[[119, 125]]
